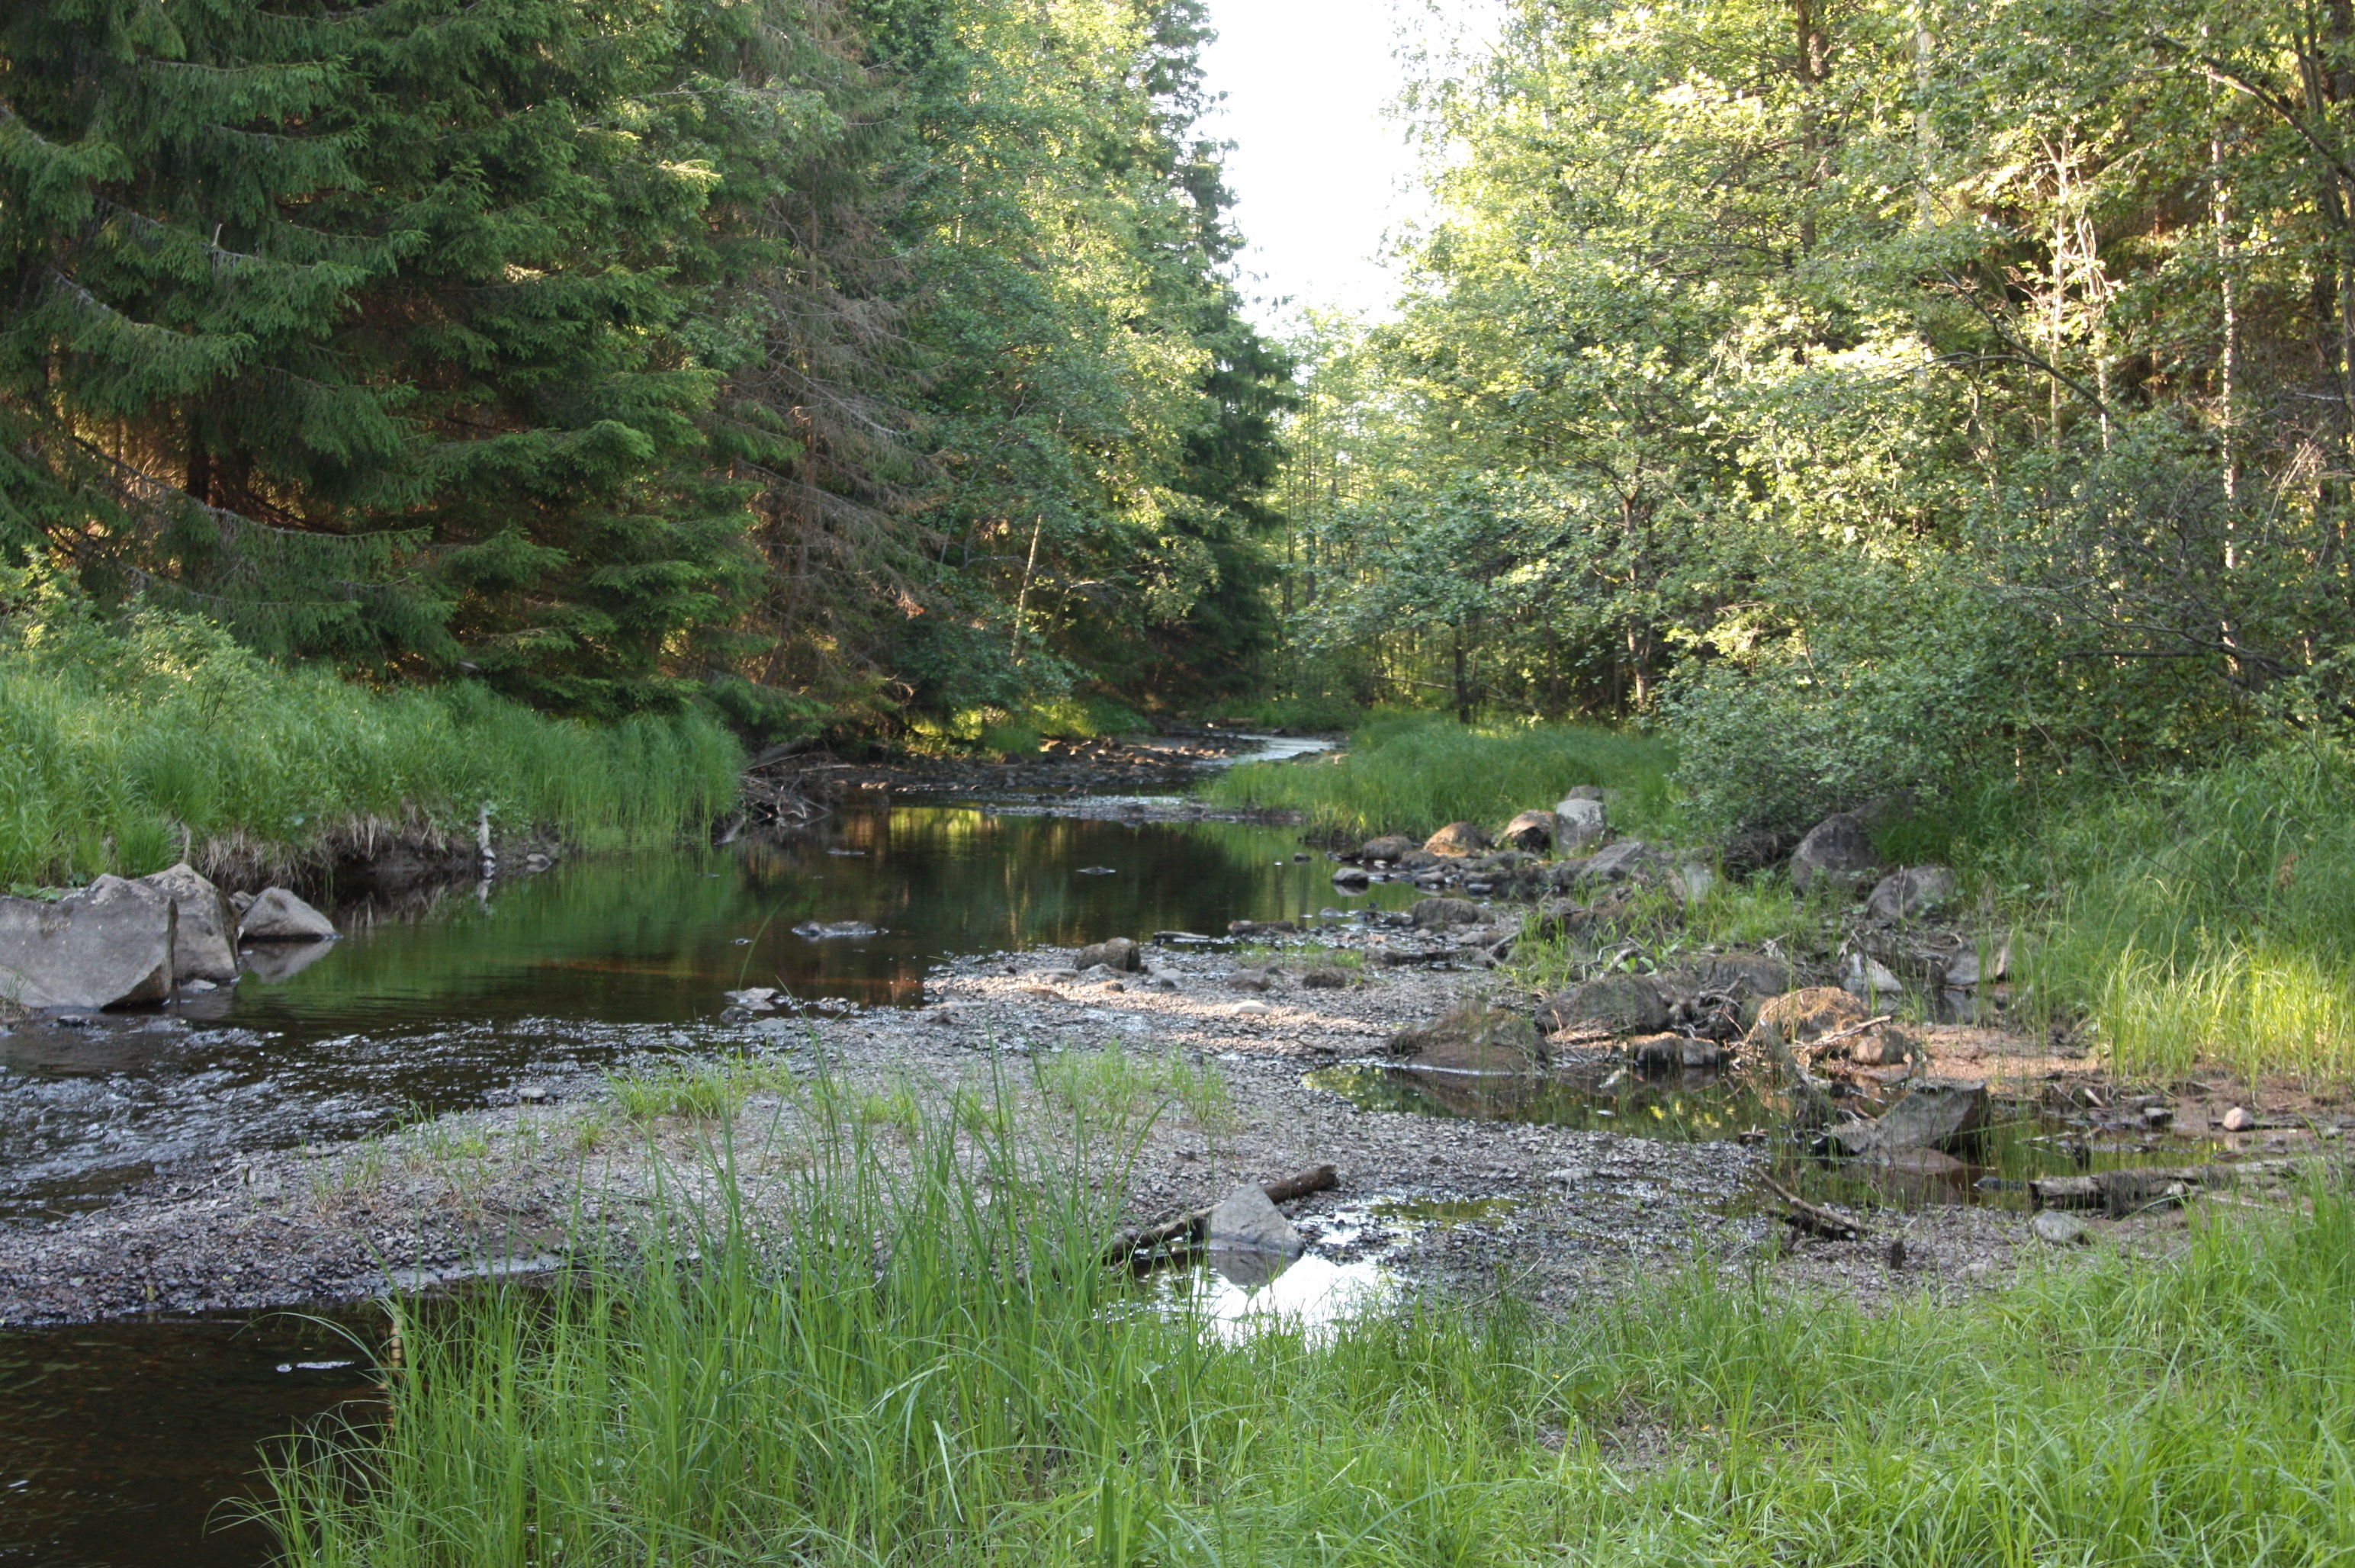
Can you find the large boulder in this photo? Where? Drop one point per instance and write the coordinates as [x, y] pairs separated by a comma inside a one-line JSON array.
[[204, 944], [279, 916], [1118, 954], [1622, 1004], [1836, 853], [1531, 830], [1246, 1221], [1457, 839], [1745, 975], [1909, 893], [109, 945], [1581, 822], [1473, 1040], [1389, 847], [1939, 1113]]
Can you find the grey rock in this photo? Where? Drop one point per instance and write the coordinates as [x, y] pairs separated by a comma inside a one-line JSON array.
[[1117, 953], [1457, 839], [833, 930], [1746, 975], [1939, 1113], [1428, 914], [240, 902], [1390, 846], [1625, 1004], [1580, 820], [760, 998], [1968, 970], [109, 945], [1836, 851], [279, 916], [1869, 976], [1531, 830], [1352, 877], [1585, 792], [1692, 882], [2239, 1119], [2059, 1229], [203, 942], [1911, 893], [1325, 979], [1249, 981], [1245, 1221], [1628, 860]]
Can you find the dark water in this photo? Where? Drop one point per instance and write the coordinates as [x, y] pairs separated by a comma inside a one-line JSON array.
[[136, 1443], [119, 1443]]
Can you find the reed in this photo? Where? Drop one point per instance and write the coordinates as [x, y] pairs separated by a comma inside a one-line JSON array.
[[912, 1357]]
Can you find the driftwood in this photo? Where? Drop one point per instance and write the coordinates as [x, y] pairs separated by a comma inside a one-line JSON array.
[[1814, 1220], [1187, 1226]]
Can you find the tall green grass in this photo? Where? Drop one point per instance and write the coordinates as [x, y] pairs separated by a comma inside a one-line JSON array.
[[2203, 917], [114, 743], [926, 1365], [1414, 774]]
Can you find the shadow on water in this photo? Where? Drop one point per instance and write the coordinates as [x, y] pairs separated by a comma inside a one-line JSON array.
[[134, 1442]]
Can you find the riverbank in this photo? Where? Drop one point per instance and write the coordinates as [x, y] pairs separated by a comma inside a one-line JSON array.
[[1570, 1211], [123, 749]]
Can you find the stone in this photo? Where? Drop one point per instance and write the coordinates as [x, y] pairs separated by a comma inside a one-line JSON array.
[[1429, 914], [758, 998], [1355, 879], [1745, 975], [2059, 1229], [1118, 954], [1249, 1011], [1418, 859], [1938, 1113], [1587, 792], [109, 945], [1836, 853], [1659, 1053], [1624, 1004], [1457, 839], [1579, 822], [1910, 893], [1631, 860], [1869, 976], [1246, 1221], [1473, 1040], [1692, 882], [1249, 981], [1531, 830], [1390, 846], [1887, 1046], [1968, 969], [204, 939], [279, 916], [2239, 1119], [1326, 980]]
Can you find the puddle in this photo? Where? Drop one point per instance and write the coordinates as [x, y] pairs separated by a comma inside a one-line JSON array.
[[1238, 1295], [2019, 1143]]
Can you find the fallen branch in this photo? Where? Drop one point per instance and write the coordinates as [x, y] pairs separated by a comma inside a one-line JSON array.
[[2142, 1187], [1186, 1226], [1814, 1220]]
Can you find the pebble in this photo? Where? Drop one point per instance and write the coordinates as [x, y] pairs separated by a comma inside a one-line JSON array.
[[2061, 1230], [2239, 1119]]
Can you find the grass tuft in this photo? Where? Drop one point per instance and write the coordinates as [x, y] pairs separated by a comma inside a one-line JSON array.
[[1415, 774]]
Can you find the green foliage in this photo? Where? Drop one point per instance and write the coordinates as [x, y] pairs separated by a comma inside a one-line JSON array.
[[941, 1372], [116, 743], [2200, 916], [1888, 395], [1415, 774]]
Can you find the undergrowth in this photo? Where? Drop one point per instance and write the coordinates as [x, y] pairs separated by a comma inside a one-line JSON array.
[[1417, 773], [926, 1363], [118, 744]]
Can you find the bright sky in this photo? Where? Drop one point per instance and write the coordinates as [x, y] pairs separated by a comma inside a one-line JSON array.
[[1320, 171]]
